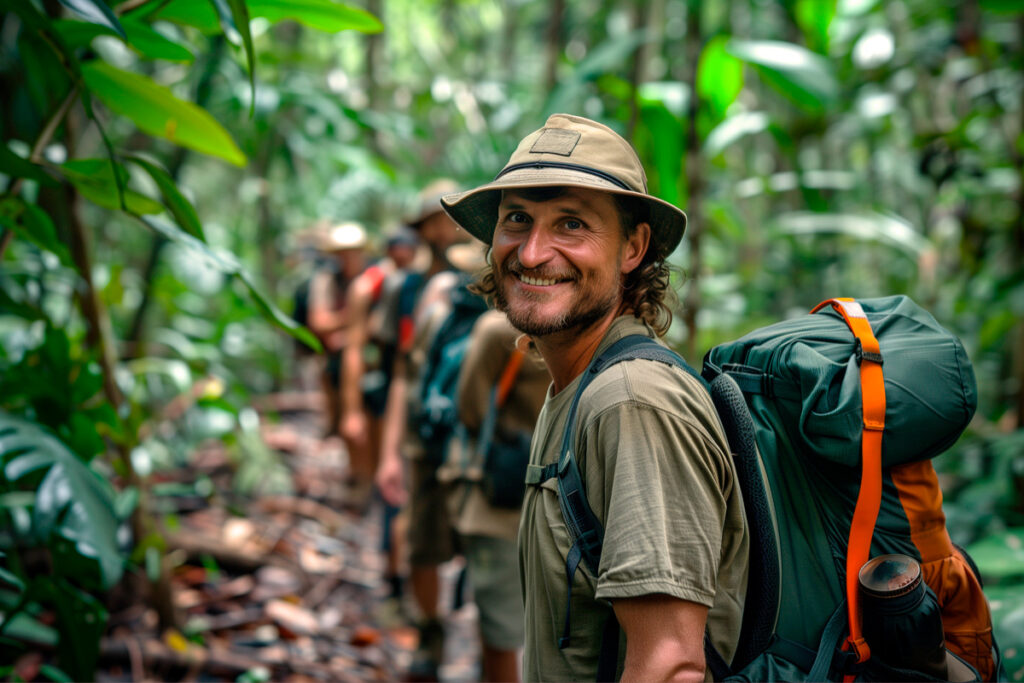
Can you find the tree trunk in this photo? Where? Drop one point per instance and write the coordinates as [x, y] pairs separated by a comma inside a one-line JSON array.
[[694, 178], [553, 42]]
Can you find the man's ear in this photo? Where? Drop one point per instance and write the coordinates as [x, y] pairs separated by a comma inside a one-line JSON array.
[[636, 245]]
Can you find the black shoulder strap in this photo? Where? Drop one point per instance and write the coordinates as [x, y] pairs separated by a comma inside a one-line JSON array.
[[585, 529]]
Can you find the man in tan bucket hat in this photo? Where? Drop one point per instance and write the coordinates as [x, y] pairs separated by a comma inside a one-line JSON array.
[[577, 262]]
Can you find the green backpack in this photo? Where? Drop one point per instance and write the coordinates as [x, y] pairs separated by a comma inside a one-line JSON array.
[[834, 469]]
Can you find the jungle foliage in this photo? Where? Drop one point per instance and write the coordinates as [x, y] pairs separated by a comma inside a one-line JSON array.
[[162, 160]]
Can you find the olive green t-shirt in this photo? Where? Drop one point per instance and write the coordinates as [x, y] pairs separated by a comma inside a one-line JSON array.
[[657, 474]]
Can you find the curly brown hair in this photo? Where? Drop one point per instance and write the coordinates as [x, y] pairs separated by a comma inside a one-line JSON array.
[[646, 291]]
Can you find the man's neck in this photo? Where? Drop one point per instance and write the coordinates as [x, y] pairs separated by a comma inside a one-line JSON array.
[[568, 353]]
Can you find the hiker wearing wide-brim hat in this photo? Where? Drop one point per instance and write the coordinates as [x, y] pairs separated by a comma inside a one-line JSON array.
[[569, 151], [577, 262]]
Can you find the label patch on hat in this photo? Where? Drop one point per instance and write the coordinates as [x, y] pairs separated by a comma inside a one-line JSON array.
[[556, 141]]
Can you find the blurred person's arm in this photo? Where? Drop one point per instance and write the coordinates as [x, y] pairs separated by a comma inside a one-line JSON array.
[[354, 424], [390, 476], [325, 322]]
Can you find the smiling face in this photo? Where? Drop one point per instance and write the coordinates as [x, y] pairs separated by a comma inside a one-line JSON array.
[[559, 256]]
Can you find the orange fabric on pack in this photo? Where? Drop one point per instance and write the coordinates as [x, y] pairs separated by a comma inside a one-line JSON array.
[[966, 620], [508, 376], [865, 515]]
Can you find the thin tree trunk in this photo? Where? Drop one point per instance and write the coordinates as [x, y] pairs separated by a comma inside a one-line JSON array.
[[553, 41], [694, 181]]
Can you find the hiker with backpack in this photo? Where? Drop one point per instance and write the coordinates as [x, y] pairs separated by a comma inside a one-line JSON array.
[[501, 387], [406, 473], [577, 262]]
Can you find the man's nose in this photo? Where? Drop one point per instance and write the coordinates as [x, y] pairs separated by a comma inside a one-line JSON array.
[[536, 248]]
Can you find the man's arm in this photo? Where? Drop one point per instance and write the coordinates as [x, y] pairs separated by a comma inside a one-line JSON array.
[[664, 638], [390, 477], [324, 322], [353, 420]]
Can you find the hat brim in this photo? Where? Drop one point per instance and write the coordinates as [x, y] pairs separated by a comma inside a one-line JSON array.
[[477, 210]]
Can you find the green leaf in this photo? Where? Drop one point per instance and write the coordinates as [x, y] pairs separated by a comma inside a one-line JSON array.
[[719, 77], [664, 131], [95, 180], [322, 15], [815, 17], [82, 620], [180, 207], [234, 17], [18, 167], [734, 128], [1000, 557], [223, 262], [25, 627], [799, 74], [867, 226], [34, 224], [158, 112], [276, 316], [12, 579], [55, 674], [96, 12], [1003, 6], [150, 43], [72, 500]]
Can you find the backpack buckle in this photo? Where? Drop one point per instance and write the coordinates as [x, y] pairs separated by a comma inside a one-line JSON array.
[[862, 355]]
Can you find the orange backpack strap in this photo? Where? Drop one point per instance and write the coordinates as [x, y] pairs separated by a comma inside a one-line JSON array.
[[872, 389], [508, 376]]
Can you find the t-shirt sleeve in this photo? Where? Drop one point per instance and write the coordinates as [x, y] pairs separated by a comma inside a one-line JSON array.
[[662, 501]]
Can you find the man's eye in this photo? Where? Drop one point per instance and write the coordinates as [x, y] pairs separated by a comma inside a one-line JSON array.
[[573, 224], [517, 217]]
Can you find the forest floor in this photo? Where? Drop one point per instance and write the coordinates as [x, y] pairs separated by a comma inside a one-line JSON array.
[[281, 587]]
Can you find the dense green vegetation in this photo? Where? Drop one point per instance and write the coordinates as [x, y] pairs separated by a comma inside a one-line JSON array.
[[162, 157]]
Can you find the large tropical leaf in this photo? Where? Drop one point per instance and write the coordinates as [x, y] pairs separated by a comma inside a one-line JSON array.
[[96, 12], [867, 226], [719, 77], [140, 37], [156, 111], [72, 501], [804, 77], [732, 129], [322, 15]]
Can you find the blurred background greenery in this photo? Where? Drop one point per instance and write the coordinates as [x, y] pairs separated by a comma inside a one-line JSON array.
[[163, 159]]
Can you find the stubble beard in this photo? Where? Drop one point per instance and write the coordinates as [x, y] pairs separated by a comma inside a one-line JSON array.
[[585, 309]]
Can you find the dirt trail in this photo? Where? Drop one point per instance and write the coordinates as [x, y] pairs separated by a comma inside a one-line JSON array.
[[276, 587]]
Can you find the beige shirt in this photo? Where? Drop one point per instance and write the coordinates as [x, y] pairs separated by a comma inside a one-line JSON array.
[[657, 473], [492, 343]]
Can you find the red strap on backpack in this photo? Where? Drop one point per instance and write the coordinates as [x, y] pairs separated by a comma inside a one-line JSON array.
[[872, 390], [508, 376]]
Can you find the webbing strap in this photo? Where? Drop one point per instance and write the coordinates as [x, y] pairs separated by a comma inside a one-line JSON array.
[[865, 514], [830, 637], [572, 562], [508, 376]]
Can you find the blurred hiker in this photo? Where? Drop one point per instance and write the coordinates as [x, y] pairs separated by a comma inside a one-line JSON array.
[[501, 389], [344, 245], [406, 475], [578, 263], [368, 359]]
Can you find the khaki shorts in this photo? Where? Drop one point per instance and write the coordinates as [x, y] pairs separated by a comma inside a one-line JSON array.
[[431, 534], [493, 567]]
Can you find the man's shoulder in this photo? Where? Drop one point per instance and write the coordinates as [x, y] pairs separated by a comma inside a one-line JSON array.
[[643, 381]]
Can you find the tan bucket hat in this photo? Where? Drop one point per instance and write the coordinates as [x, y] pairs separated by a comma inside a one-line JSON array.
[[429, 201], [568, 150]]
